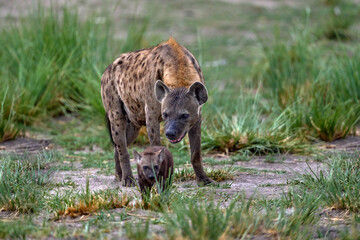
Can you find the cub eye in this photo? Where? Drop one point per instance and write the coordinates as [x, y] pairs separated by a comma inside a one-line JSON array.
[[184, 116], [145, 168], [156, 167], [165, 115]]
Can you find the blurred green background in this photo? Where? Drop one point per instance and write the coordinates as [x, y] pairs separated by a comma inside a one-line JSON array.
[[281, 74]]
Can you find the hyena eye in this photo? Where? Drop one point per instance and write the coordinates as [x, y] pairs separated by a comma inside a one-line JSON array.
[[165, 115], [145, 168], [184, 116], [156, 167]]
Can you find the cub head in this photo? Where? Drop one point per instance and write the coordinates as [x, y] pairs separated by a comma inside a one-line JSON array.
[[180, 107], [149, 164]]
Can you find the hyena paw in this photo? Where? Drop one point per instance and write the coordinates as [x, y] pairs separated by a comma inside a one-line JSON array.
[[118, 176], [128, 181], [205, 181]]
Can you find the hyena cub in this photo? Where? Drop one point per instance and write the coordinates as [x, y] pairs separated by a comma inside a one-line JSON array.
[[154, 164]]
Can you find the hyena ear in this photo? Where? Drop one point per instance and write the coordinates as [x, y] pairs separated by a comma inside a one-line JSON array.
[[137, 156], [198, 90], [161, 90], [161, 155]]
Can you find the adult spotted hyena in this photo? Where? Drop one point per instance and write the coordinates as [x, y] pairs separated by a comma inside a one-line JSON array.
[[144, 87]]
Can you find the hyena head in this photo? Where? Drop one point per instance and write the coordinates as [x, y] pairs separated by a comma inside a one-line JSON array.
[[180, 107], [149, 164]]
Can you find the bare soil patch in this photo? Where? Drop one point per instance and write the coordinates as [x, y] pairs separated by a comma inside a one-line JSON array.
[[257, 176], [25, 145], [261, 176]]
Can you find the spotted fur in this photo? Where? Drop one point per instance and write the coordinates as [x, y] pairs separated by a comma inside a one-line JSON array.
[[127, 90]]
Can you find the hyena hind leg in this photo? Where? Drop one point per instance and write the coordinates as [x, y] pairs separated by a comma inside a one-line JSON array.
[[118, 126]]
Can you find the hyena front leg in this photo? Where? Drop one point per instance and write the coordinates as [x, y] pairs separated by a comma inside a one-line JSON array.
[[132, 131], [118, 171], [195, 147], [152, 124]]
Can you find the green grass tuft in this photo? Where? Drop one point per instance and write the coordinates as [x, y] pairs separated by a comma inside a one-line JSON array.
[[339, 185], [23, 181]]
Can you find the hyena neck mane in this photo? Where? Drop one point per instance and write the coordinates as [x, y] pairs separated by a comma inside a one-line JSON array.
[[180, 71]]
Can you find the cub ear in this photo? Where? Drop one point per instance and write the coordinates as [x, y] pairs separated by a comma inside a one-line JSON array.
[[198, 90], [161, 155], [137, 156], [161, 90]]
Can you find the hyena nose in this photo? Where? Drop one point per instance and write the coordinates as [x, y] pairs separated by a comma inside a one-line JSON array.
[[170, 134]]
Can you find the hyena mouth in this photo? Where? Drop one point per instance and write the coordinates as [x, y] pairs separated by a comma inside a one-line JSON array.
[[177, 140]]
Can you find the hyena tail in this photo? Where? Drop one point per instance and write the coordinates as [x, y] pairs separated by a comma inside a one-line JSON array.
[[108, 126]]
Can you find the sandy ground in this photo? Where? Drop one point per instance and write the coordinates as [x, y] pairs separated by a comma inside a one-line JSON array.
[[269, 181]]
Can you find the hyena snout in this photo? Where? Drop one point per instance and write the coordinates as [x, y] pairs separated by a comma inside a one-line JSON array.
[[175, 132], [171, 133], [151, 173]]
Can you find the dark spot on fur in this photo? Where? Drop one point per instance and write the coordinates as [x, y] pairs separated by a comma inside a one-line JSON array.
[[120, 62], [108, 69], [158, 75], [152, 131], [139, 50], [116, 133]]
